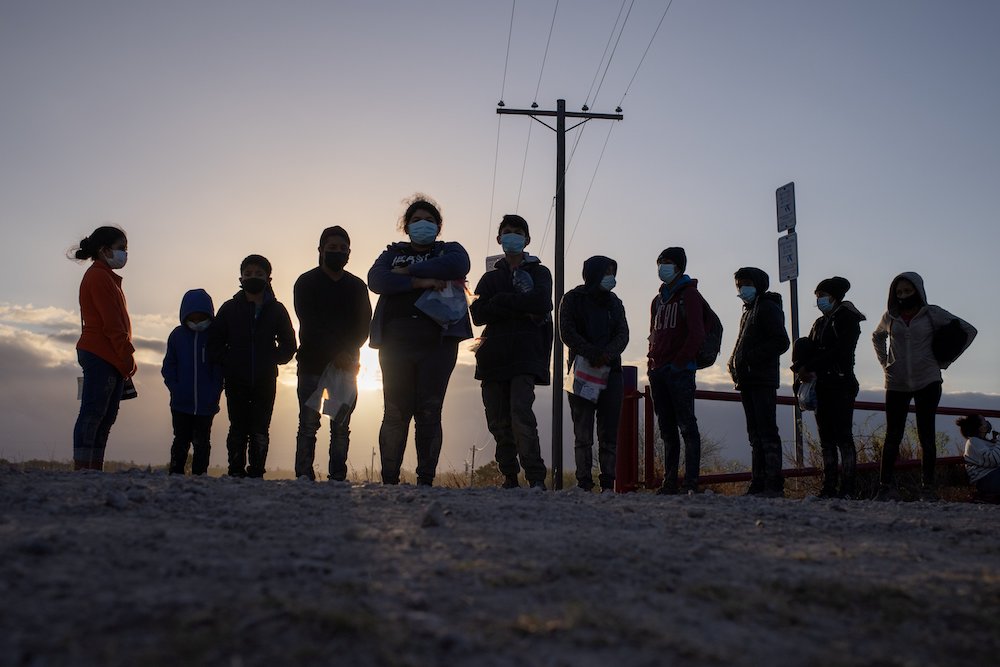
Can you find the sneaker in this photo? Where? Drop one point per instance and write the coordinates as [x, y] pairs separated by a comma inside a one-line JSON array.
[[754, 490], [537, 485], [425, 482], [510, 482], [691, 490], [886, 493], [585, 487], [607, 489], [928, 495], [667, 490]]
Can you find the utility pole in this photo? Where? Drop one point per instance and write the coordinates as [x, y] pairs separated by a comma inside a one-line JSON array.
[[560, 129]]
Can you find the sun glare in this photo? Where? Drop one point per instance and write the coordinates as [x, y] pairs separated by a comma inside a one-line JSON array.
[[370, 376]]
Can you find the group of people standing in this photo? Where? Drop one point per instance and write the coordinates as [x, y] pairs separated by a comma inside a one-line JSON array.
[[238, 350]]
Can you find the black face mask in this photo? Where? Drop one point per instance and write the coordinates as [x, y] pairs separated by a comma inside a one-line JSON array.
[[253, 285], [909, 303], [335, 261]]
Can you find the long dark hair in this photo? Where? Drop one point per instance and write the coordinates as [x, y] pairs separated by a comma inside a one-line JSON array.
[[102, 237]]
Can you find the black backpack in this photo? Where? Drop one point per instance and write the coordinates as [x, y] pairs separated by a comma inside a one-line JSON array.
[[712, 344], [949, 342]]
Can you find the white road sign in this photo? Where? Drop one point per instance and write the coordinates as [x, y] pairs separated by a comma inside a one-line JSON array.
[[788, 257], [785, 199]]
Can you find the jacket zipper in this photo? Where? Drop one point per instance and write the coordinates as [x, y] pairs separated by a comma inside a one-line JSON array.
[[195, 357]]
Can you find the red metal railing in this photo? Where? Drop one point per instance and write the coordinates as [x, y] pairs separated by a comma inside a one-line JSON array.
[[627, 468]]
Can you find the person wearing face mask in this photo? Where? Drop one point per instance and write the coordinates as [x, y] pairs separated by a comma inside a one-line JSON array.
[[827, 358], [676, 333], [417, 355], [194, 382], [592, 324], [251, 336], [761, 341], [515, 304], [903, 343], [105, 349], [982, 454], [334, 314]]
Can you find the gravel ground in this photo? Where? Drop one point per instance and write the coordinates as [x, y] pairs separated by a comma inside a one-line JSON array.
[[139, 568]]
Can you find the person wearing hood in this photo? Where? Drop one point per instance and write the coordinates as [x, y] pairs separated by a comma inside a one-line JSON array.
[[592, 325], [826, 357], [251, 336], [416, 353], [105, 349], [982, 454], [194, 382], [761, 341], [676, 333], [515, 304], [334, 315], [903, 343]]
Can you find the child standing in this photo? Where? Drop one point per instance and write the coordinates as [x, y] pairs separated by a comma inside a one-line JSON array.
[[252, 334], [194, 382]]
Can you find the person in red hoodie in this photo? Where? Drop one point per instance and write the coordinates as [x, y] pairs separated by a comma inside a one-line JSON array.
[[105, 348], [676, 332]]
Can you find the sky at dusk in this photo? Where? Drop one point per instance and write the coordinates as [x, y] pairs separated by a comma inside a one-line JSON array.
[[212, 130]]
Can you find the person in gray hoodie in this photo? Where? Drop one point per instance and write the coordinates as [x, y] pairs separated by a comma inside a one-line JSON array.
[[903, 344]]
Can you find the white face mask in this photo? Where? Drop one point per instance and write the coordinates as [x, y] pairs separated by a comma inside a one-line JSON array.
[[199, 326], [118, 259]]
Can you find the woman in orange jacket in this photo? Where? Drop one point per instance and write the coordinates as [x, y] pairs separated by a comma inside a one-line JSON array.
[[105, 348]]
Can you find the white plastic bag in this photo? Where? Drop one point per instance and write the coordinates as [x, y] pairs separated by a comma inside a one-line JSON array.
[[445, 306], [586, 381], [807, 396], [339, 388]]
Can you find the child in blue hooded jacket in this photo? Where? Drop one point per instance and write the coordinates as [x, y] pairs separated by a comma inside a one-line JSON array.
[[194, 382]]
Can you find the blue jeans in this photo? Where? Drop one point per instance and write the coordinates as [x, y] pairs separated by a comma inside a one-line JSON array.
[[102, 392], [673, 401], [607, 411], [305, 440], [511, 420], [416, 362]]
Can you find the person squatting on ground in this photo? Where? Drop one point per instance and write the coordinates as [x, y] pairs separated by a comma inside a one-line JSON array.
[[754, 368], [194, 382], [417, 355], [334, 315], [982, 454], [912, 373], [826, 357], [251, 336], [676, 333], [592, 325], [515, 303], [104, 350]]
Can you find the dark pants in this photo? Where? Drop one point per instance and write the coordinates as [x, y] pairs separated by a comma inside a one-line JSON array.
[[511, 420], [250, 409], [990, 484], [416, 365], [897, 405], [305, 440], [761, 409], [835, 423], [673, 401], [190, 431], [608, 411], [102, 392]]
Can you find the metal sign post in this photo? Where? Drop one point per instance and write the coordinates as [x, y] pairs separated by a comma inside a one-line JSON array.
[[788, 270]]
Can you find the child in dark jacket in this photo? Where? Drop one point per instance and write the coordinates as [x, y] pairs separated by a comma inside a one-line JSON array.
[[251, 336], [194, 382]]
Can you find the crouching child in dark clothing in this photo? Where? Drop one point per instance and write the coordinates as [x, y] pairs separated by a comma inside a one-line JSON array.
[[754, 368], [515, 304], [592, 325], [251, 336], [194, 383]]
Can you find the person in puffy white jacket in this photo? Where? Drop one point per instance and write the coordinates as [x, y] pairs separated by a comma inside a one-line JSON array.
[[903, 345], [982, 453]]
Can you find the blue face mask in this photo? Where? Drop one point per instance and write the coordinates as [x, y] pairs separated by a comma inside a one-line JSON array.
[[512, 243], [748, 293], [422, 232], [824, 303], [667, 272], [608, 283]]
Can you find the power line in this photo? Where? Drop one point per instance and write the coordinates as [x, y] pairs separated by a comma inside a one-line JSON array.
[[617, 41], [496, 152], [641, 60], [591, 185], [606, 47], [546, 56]]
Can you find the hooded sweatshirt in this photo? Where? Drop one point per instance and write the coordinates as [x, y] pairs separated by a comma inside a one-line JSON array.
[[194, 381], [835, 338], [592, 320], [909, 361], [518, 335], [676, 331], [762, 338], [250, 344]]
